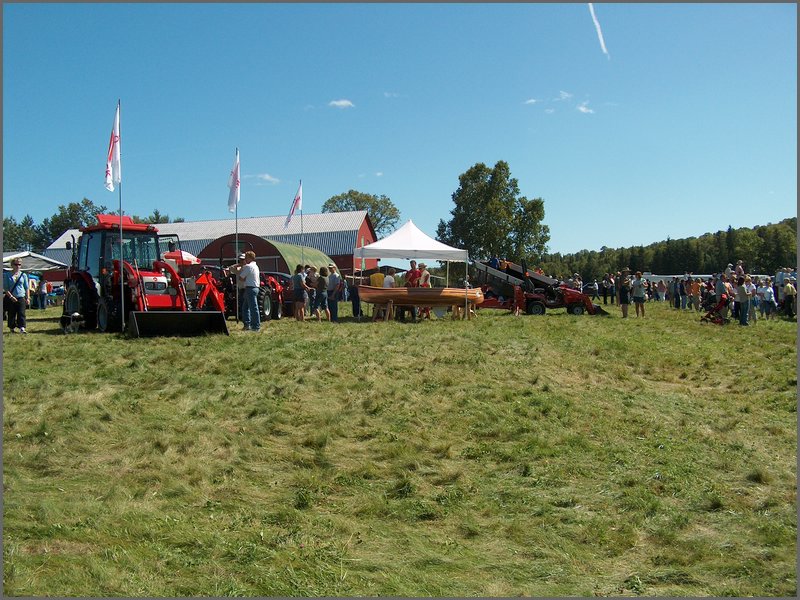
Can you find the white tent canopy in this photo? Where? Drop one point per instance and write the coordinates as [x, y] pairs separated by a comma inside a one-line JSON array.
[[409, 242], [31, 261]]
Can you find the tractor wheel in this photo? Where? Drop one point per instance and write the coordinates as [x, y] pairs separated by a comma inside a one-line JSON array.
[[108, 318], [577, 309], [278, 311], [80, 299], [534, 308], [265, 302]]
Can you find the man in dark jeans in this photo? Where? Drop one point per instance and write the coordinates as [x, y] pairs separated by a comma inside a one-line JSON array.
[[17, 292]]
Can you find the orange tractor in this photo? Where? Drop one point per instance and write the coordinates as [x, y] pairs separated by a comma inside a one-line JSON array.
[[112, 276]]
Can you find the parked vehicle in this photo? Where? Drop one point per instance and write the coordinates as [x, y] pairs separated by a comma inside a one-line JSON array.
[[270, 295], [102, 285], [285, 281]]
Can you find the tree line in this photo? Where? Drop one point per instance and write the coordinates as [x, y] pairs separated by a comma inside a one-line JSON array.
[[762, 249], [28, 235], [491, 218]]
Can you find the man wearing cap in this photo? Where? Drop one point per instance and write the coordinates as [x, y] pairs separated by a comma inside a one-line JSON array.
[[17, 292], [334, 281], [729, 271]]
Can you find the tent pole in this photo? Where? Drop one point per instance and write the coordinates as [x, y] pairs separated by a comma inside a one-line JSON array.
[[466, 289]]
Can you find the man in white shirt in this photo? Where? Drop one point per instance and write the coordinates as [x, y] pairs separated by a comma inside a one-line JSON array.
[[387, 311], [250, 276], [334, 279]]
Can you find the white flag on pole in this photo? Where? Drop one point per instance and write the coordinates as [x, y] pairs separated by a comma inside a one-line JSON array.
[[297, 204], [233, 184], [113, 162]]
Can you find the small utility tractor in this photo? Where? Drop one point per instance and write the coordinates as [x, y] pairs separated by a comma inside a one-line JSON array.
[[216, 289], [108, 280], [516, 286]]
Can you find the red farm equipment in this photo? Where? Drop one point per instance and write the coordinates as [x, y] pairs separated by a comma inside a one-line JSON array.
[[111, 277], [216, 290], [533, 293]]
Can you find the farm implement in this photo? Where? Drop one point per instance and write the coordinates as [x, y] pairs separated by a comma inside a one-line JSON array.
[[516, 286]]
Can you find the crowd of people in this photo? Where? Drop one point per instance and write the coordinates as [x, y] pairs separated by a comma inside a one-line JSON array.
[[732, 291], [317, 292]]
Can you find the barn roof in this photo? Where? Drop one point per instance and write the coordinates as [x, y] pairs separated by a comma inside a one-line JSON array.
[[333, 233]]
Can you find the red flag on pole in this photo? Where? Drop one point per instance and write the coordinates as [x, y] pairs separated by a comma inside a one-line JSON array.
[[297, 204], [113, 162], [233, 184]]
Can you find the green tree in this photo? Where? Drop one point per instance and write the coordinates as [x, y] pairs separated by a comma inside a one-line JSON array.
[[21, 236], [71, 216], [491, 218], [157, 218], [12, 239], [382, 212]]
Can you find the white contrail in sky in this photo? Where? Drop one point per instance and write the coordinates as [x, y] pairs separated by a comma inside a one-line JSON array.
[[599, 31]]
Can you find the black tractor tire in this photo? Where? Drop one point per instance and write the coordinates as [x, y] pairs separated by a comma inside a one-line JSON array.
[[108, 317], [265, 302], [577, 309], [534, 308], [80, 299]]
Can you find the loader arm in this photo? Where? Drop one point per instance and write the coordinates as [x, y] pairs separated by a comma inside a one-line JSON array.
[[134, 283], [175, 281]]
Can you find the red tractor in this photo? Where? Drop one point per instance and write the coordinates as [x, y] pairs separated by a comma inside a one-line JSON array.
[[110, 278]]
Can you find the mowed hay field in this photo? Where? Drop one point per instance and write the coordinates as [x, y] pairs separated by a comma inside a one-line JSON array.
[[538, 456]]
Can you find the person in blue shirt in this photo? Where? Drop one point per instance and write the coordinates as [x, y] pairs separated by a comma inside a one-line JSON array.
[[17, 292]]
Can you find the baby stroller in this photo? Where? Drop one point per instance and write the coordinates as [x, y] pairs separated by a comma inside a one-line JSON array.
[[714, 315]]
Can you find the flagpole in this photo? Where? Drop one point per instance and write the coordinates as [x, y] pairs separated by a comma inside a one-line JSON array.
[[302, 239], [121, 267], [236, 255]]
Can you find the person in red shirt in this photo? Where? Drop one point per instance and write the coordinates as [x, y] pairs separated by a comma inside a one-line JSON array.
[[413, 275], [412, 280]]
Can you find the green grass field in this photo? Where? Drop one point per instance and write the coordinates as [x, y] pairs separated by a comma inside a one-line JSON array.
[[503, 456]]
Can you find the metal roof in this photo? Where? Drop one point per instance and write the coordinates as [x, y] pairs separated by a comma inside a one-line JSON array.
[[334, 233]]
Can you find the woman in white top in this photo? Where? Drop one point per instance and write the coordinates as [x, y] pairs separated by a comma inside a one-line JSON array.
[[766, 297]]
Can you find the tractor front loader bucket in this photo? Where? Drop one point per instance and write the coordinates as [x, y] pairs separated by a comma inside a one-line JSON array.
[[176, 323], [599, 310]]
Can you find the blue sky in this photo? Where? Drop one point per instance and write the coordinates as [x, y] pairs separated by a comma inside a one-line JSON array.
[[688, 124]]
